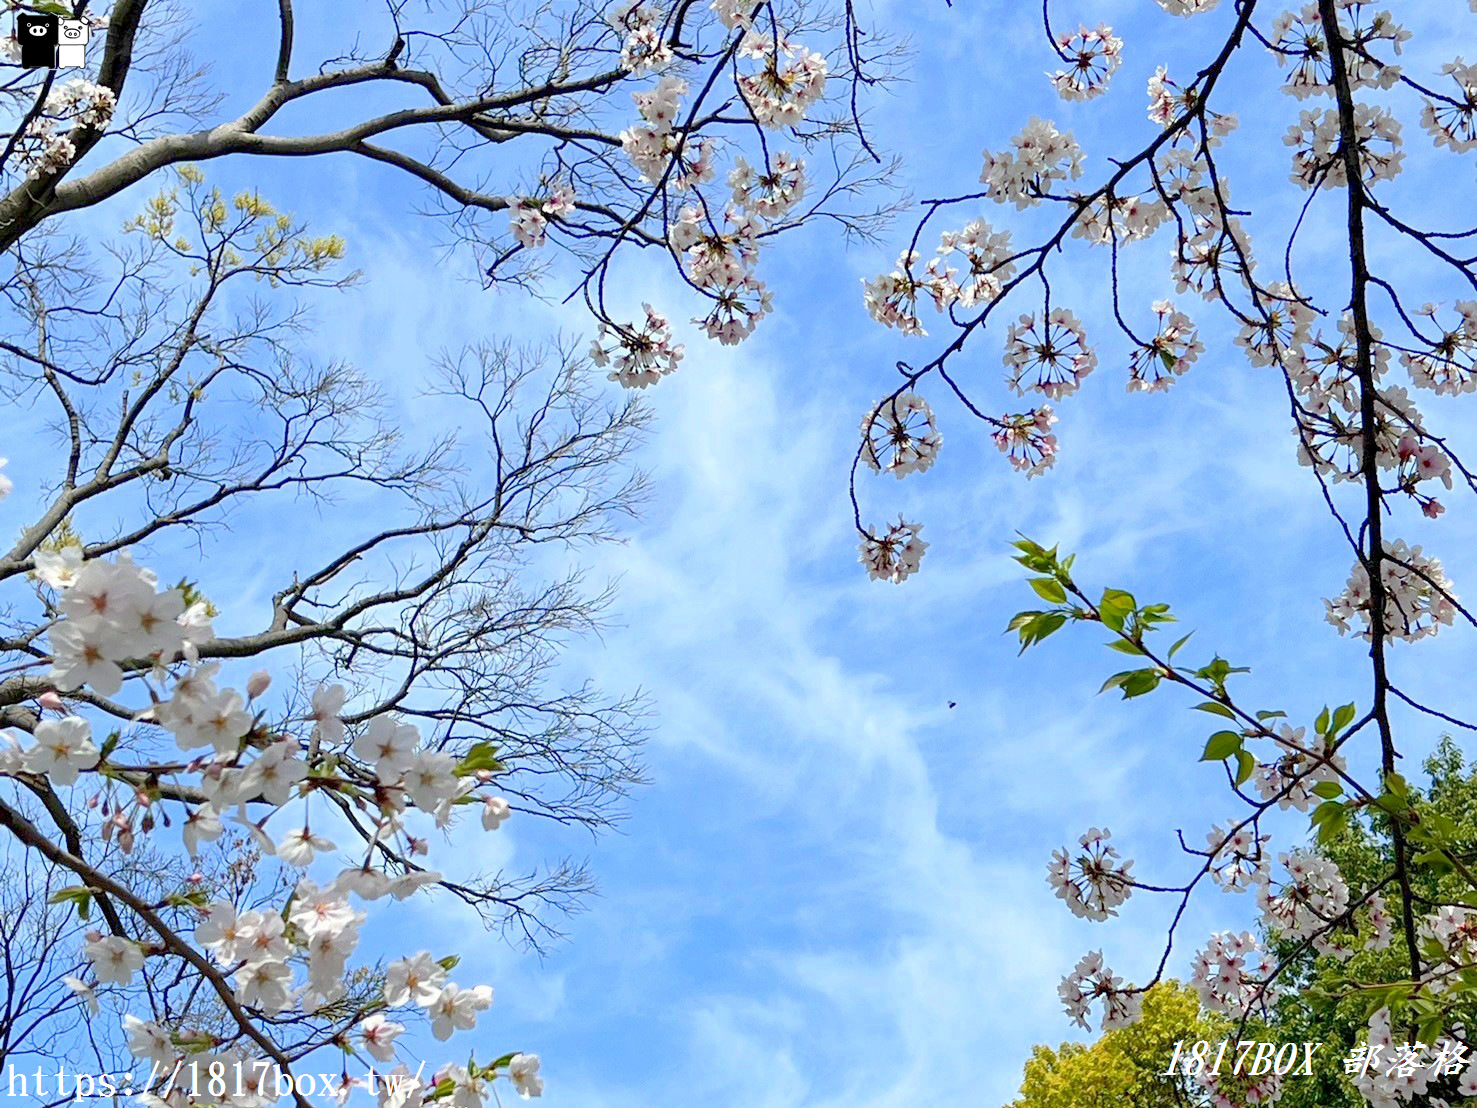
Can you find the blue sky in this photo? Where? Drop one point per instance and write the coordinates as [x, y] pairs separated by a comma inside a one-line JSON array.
[[833, 891]]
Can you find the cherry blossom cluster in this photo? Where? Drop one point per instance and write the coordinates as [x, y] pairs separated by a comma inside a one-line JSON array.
[[1092, 57], [895, 554], [1285, 325], [1233, 974], [720, 264], [1187, 7], [1389, 1085], [1169, 354], [1452, 122], [1112, 218], [113, 611], [1290, 778], [1053, 352], [1455, 930], [295, 957], [1298, 38], [1093, 882], [1237, 1090], [771, 192], [1042, 155], [1307, 902], [1420, 600], [1238, 856], [1092, 981], [734, 14], [85, 102], [638, 354], [986, 255], [1448, 364], [1168, 100], [644, 48], [529, 216], [788, 80], [45, 145], [892, 298], [1318, 154], [900, 436], [1027, 439]]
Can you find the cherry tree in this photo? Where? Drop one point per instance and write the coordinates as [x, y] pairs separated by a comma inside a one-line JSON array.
[[1364, 352], [202, 823]]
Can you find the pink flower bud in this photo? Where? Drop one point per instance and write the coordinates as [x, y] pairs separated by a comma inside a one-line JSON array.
[[51, 702], [257, 684]]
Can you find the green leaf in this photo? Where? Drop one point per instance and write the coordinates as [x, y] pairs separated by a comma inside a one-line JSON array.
[[76, 895], [1326, 811], [1328, 789], [1138, 682], [51, 7], [1343, 717], [1245, 767], [1265, 716], [1125, 646], [1397, 785], [1114, 608], [482, 756], [1321, 723], [1173, 650], [1333, 825], [1215, 708], [1221, 746], [1049, 589]]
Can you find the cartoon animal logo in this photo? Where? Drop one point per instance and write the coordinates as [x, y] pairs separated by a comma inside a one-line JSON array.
[[38, 36]]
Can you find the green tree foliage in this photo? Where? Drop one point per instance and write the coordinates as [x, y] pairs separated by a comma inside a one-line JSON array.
[[1328, 998], [1124, 1067]]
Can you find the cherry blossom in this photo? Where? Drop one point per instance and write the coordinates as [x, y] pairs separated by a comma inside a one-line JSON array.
[[1091, 981], [1187, 7], [114, 959], [495, 812], [1453, 123], [529, 216], [893, 556], [900, 436], [417, 979], [1170, 353], [63, 748], [1290, 777], [1318, 157], [790, 78], [455, 1009], [644, 48], [1307, 901], [1027, 439], [1232, 974], [771, 192], [1238, 856], [1093, 57], [1419, 596], [1055, 354], [1094, 882], [639, 355], [523, 1070], [1385, 1085], [1042, 155]]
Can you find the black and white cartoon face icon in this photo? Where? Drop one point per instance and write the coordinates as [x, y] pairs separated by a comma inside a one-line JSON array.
[[71, 54], [38, 36]]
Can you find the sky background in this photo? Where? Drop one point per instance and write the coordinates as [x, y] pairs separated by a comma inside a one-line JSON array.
[[833, 891]]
